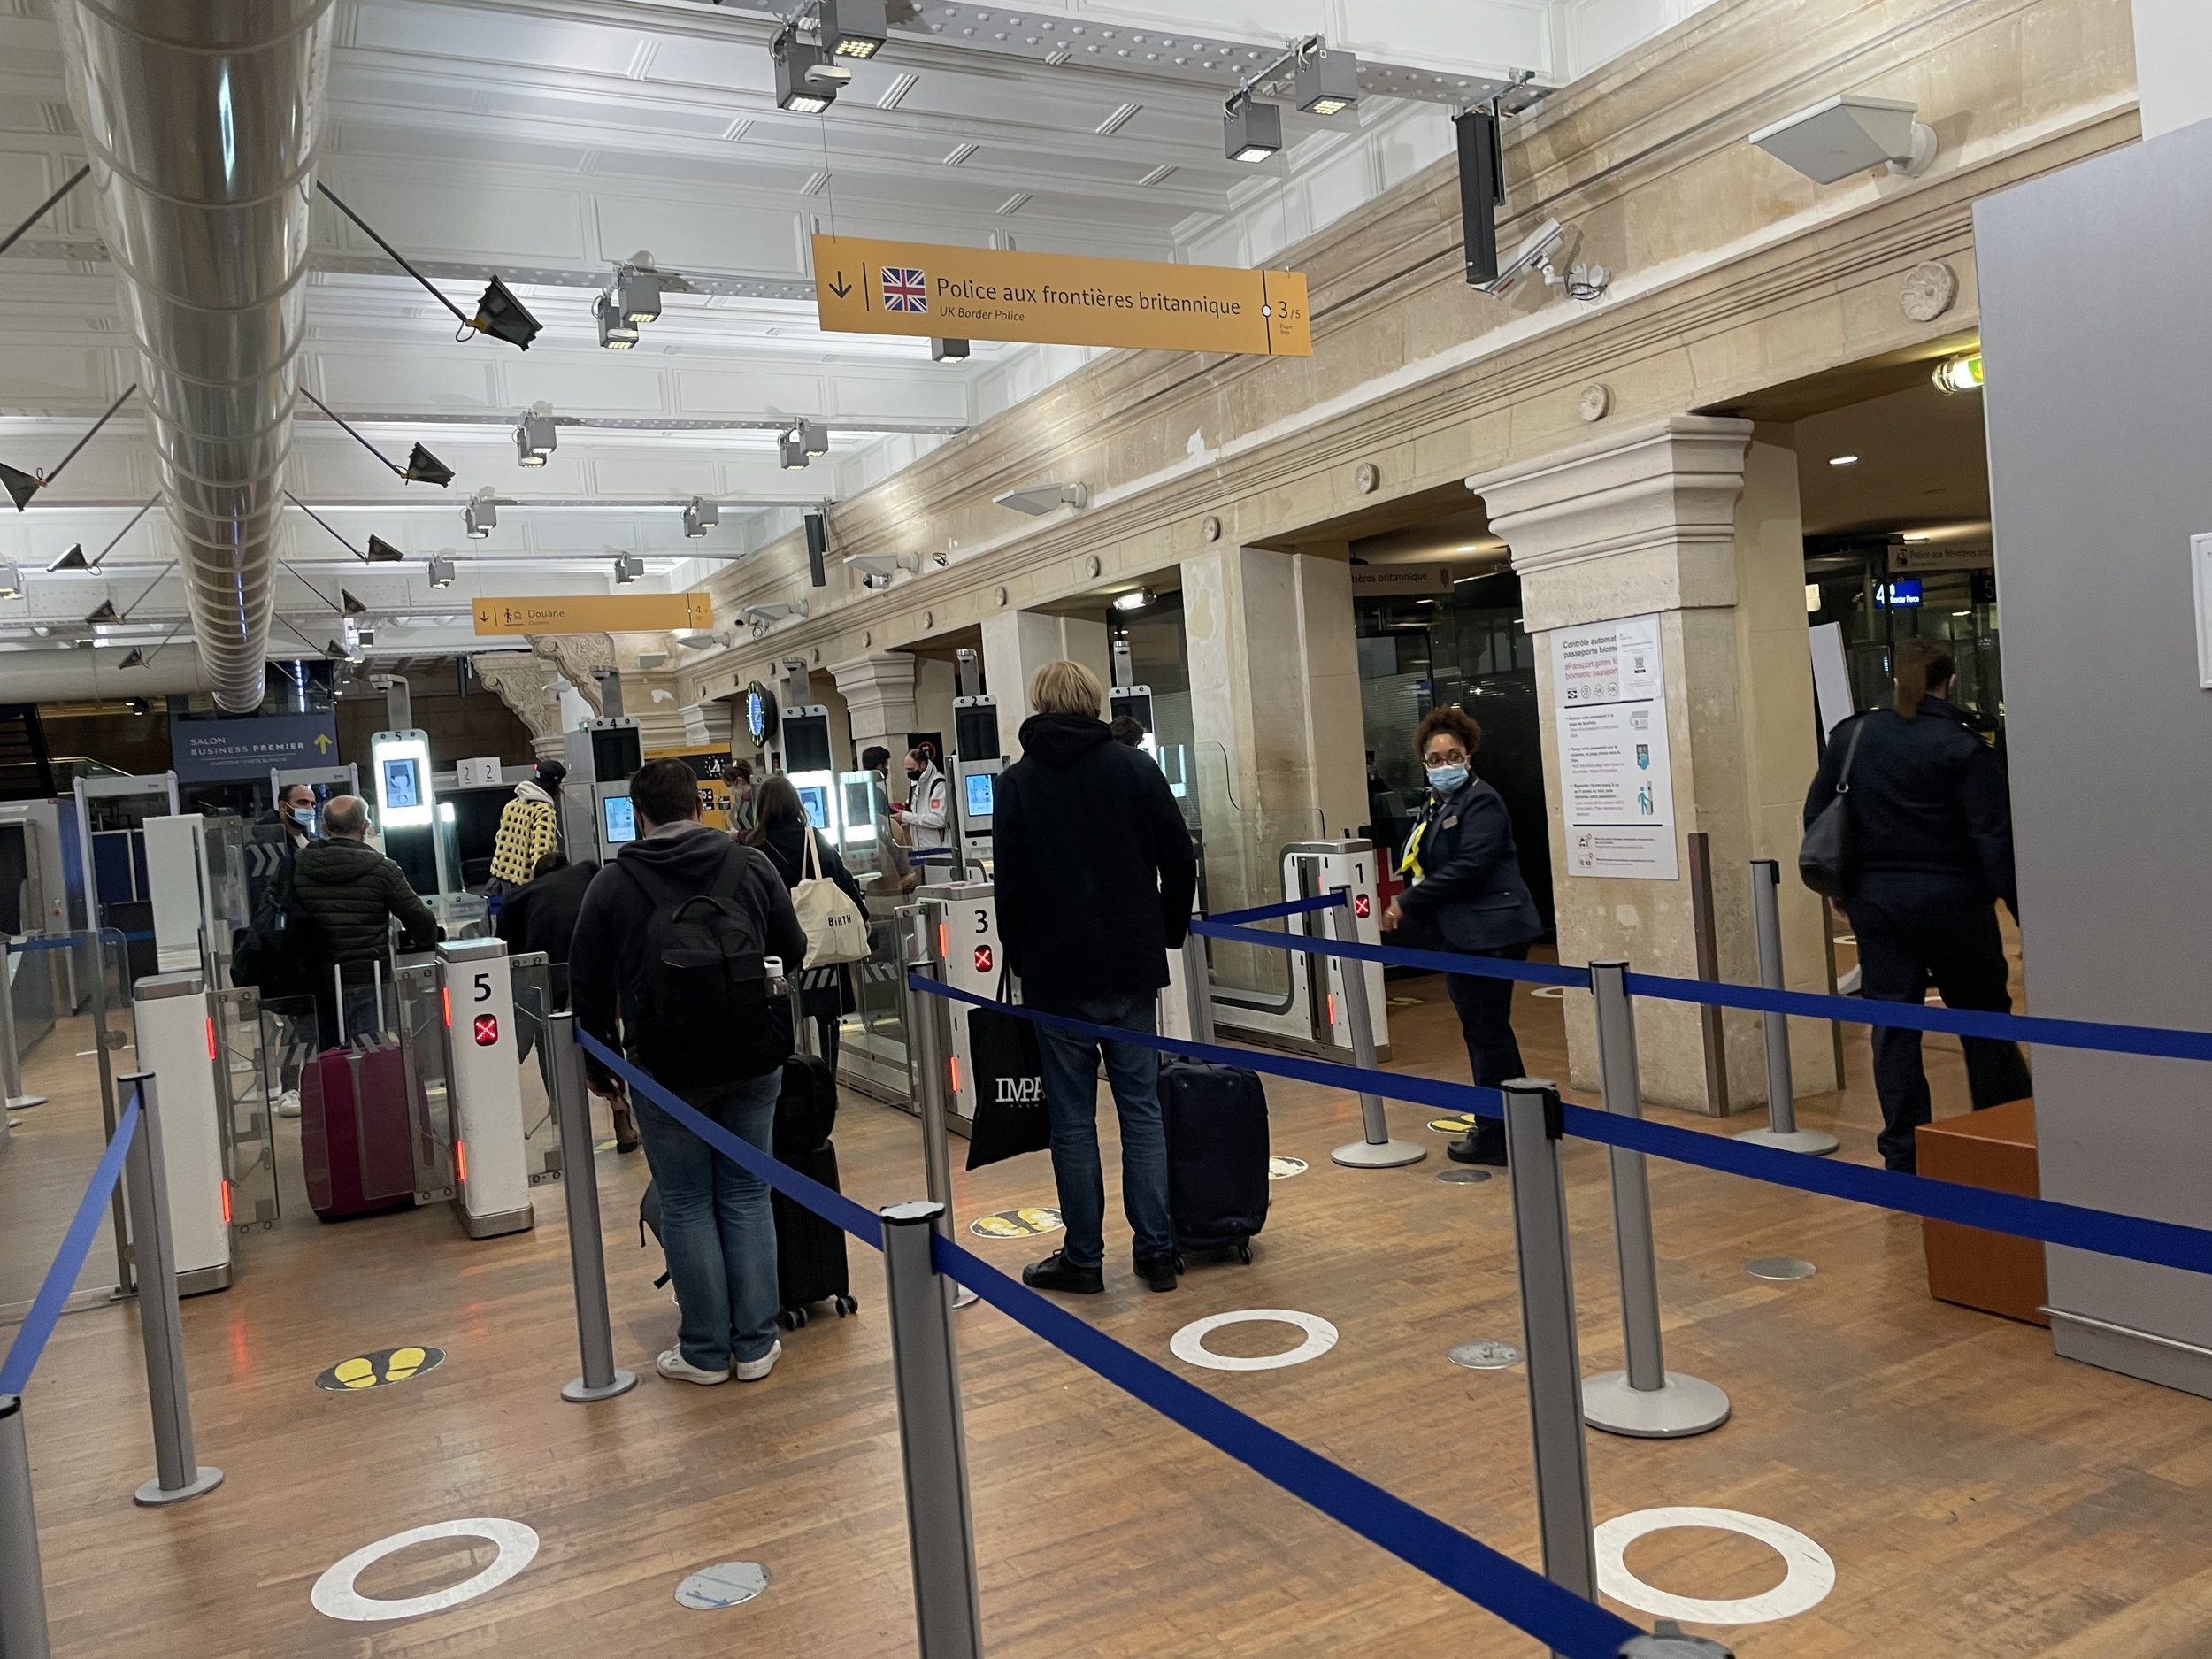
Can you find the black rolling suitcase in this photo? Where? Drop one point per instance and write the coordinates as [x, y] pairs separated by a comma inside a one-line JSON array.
[[1217, 1155], [811, 1265]]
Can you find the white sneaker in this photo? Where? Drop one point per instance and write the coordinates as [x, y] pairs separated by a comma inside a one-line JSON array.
[[288, 1104], [754, 1369], [676, 1368]]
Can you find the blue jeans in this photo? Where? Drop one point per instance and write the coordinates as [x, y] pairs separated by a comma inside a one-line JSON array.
[[1070, 1064], [716, 1224]]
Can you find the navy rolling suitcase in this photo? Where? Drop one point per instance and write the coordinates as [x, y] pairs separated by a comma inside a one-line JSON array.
[[810, 1265], [1217, 1155]]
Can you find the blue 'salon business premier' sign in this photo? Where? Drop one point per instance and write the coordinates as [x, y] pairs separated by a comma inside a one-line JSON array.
[[227, 751]]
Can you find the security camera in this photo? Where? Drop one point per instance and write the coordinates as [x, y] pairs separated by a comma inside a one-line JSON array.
[[829, 75], [943, 560], [875, 581], [1533, 254]]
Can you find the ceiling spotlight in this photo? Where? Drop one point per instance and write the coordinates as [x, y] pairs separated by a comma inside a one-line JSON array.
[[382, 552], [627, 568], [106, 613], [1843, 460], [502, 316], [1961, 373], [73, 560], [807, 80], [535, 438], [637, 292], [700, 516], [855, 28], [425, 468], [1135, 600], [947, 350], [791, 450], [814, 439], [481, 515], [1251, 130], [617, 333], [10, 581], [1327, 82], [1849, 133], [441, 571], [1046, 498]]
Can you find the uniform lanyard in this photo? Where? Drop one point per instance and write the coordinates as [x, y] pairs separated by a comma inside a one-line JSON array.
[[1411, 861]]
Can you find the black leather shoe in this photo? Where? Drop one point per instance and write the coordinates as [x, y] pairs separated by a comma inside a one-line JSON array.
[[1483, 1144], [1159, 1271], [1056, 1272]]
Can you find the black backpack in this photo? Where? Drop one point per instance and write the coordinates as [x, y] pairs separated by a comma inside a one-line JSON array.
[[706, 1016], [277, 952]]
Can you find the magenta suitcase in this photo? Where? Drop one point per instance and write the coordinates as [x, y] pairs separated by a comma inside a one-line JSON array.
[[356, 1148]]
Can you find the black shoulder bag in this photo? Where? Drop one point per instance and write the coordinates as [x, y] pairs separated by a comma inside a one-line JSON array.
[[1826, 859]]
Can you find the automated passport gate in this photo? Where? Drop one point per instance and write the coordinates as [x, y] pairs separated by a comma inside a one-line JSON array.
[[176, 1042], [973, 960], [1313, 1014], [459, 1024]]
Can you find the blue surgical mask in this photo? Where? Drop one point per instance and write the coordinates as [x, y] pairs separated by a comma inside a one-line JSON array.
[[1444, 779], [304, 816]]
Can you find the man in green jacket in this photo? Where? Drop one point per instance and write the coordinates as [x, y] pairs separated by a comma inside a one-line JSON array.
[[349, 892]]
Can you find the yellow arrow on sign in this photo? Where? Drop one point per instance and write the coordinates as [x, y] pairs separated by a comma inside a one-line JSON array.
[[909, 288], [322, 742]]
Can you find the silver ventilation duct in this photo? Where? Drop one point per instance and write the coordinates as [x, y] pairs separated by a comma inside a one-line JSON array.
[[202, 119]]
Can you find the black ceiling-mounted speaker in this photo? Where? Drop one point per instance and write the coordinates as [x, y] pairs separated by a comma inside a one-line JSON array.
[[382, 552], [501, 315], [20, 487], [425, 468], [817, 546], [1481, 191]]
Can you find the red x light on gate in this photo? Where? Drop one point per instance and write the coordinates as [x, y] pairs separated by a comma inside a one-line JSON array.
[[983, 958], [487, 1030], [1363, 905]]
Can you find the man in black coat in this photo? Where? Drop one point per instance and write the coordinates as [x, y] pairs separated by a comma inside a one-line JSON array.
[[350, 892], [1095, 876]]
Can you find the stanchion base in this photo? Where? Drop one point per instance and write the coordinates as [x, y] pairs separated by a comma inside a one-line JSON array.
[[579, 1393], [1361, 1155], [963, 1297], [1818, 1142], [151, 1495], [24, 1102], [1679, 1407]]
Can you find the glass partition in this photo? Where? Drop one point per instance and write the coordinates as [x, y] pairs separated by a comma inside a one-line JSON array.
[[250, 1052], [871, 1041], [1240, 849], [532, 982]]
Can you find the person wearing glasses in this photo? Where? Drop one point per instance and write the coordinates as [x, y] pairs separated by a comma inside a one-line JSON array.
[[1465, 893]]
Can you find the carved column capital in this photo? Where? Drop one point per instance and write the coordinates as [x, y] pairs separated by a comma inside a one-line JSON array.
[[532, 688], [578, 656]]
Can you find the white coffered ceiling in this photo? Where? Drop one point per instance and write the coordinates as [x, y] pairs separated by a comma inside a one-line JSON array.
[[548, 139]]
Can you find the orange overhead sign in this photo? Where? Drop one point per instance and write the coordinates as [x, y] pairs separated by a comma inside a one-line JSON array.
[[594, 613], [911, 287]]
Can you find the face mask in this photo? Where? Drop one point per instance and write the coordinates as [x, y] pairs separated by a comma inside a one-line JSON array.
[[914, 774], [1444, 779], [304, 816]]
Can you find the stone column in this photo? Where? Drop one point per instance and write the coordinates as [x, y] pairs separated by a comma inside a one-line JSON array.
[[1018, 643], [1275, 711], [1694, 520], [533, 688], [879, 694]]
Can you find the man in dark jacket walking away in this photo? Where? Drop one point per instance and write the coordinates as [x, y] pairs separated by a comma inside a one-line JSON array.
[[540, 917], [681, 895], [351, 893], [1095, 876]]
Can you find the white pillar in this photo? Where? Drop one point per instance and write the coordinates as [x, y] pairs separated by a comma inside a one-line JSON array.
[[1018, 643], [2173, 63], [879, 694], [1691, 520]]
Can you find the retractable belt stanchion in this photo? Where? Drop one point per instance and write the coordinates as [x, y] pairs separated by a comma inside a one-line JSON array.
[[22, 1584], [161, 1328], [1548, 1327], [1376, 1150], [11, 1061], [1781, 1132], [1645, 1399], [933, 1443], [601, 1379], [925, 1039]]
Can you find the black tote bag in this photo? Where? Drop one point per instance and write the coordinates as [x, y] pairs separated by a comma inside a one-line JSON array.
[[1826, 858], [1010, 1116]]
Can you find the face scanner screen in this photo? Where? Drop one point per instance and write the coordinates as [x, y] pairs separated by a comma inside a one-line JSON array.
[[621, 818], [402, 785], [815, 799], [982, 786]]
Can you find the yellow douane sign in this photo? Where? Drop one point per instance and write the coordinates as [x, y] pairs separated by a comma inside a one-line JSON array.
[[594, 613], [911, 288]]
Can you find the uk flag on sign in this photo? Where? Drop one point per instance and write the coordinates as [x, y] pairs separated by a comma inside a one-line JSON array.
[[905, 288]]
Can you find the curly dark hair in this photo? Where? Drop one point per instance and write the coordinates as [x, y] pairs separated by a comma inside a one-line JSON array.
[[1452, 718]]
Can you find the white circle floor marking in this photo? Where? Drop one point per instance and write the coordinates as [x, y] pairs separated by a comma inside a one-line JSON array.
[[335, 1595], [1189, 1343], [730, 1583], [1811, 1574]]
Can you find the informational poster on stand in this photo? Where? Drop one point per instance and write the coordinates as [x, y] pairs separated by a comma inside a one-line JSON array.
[[1609, 692]]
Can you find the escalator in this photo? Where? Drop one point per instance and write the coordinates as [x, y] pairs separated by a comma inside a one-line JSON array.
[[26, 768]]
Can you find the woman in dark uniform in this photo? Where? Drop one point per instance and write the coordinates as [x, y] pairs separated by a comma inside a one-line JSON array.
[[1931, 815], [1466, 895]]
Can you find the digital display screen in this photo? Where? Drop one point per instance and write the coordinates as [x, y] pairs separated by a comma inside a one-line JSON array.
[[402, 783], [1899, 591], [982, 786], [859, 807], [815, 799], [620, 818]]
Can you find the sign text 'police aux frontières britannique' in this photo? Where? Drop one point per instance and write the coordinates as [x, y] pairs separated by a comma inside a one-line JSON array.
[[901, 288]]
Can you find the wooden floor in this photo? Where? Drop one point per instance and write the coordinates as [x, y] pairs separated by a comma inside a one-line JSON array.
[[1978, 1496]]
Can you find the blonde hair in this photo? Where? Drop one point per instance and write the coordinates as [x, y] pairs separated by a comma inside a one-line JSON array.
[[1065, 688]]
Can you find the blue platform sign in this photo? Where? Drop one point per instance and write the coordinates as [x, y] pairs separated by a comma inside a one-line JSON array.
[[232, 752]]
